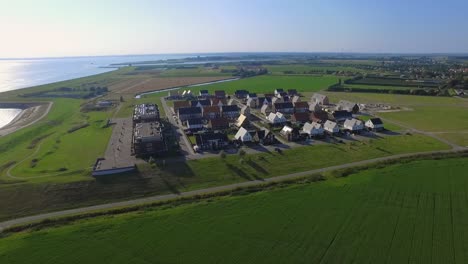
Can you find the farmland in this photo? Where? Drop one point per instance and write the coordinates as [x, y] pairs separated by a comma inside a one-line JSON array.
[[410, 212]]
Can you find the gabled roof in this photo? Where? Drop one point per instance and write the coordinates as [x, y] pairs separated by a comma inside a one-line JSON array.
[[189, 110], [352, 122], [296, 99], [376, 121], [216, 101], [342, 114], [205, 102], [204, 92], [219, 122], [229, 108], [318, 97], [292, 91], [269, 95], [241, 92], [283, 105], [262, 133], [252, 95], [330, 125], [316, 116], [241, 132], [301, 105], [346, 104], [241, 120], [195, 121], [301, 117], [279, 90], [220, 93], [211, 109], [179, 104]]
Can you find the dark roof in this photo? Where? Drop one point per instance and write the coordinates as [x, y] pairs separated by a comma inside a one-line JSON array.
[[318, 116], [252, 95], [292, 91], [283, 105], [220, 93], [195, 121], [376, 121], [211, 109], [189, 110], [262, 133], [302, 117], [229, 108], [261, 100], [203, 137], [269, 95], [217, 122], [238, 92], [279, 90], [179, 104], [342, 114], [283, 94], [204, 91], [301, 105], [205, 102]]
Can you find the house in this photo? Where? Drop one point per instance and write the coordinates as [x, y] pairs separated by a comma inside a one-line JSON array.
[[295, 99], [211, 112], [266, 109], [347, 106], [292, 92], [241, 121], [283, 95], [180, 104], [264, 101], [342, 115], [219, 123], [301, 107], [241, 94], [315, 107], [200, 103], [353, 125], [252, 95], [243, 135], [252, 102], [264, 137], [313, 129], [245, 110], [300, 118], [318, 117], [275, 100], [218, 101], [276, 118], [319, 98], [285, 108], [230, 111], [186, 113], [195, 124], [269, 95], [331, 127], [278, 91], [211, 140], [220, 94], [204, 93], [231, 102], [374, 124], [291, 134]]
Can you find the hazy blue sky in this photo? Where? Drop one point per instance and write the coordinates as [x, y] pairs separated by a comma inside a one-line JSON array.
[[38, 28]]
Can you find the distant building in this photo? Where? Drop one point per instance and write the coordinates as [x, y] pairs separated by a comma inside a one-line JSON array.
[[313, 129], [319, 117], [353, 125], [186, 113], [148, 139], [285, 108], [291, 134], [144, 113], [211, 112], [243, 135], [347, 106], [331, 127], [200, 103], [204, 93], [300, 118], [264, 137], [278, 91], [342, 115], [220, 123], [301, 107], [220, 94], [320, 98], [180, 104], [292, 92], [195, 124], [230, 111], [211, 140], [266, 109], [276, 118], [375, 124], [241, 94]]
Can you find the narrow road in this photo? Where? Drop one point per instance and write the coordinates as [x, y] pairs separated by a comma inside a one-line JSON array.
[[158, 198]]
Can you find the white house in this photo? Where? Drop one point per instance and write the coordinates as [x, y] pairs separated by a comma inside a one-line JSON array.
[[331, 127], [276, 118], [313, 129], [375, 124], [278, 91], [243, 135], [353, 125], [266, 109], [320, 99]]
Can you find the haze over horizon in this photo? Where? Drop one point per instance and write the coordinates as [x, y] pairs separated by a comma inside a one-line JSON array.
[[54, 28]]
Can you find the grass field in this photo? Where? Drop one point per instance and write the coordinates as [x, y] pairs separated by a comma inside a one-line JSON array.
[[268, 83], [405, 213]]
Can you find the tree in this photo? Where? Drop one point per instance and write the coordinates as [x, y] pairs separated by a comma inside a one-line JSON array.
[[222, 154], [242, 153]]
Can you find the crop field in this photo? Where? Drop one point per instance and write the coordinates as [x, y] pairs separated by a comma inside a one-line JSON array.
[[268, 83], [308, 69], [391, 82], [406, 213]]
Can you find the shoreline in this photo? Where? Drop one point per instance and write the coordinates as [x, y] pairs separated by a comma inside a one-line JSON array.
[[34, 112]]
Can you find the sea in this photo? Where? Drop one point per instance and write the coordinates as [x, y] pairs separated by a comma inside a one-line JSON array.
[[22, 73]]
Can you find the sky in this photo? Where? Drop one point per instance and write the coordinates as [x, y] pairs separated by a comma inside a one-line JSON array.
[[58, 28]]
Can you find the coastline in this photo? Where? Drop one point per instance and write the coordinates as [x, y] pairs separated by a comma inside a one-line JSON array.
[[29, 115]]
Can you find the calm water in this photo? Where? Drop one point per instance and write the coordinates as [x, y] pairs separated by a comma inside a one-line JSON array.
[[22, 73], [7, 114]]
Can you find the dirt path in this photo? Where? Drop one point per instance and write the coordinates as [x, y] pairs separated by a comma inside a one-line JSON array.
[[158, 198]]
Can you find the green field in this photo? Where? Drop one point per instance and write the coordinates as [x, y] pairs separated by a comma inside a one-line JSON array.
[[268, 84], [306, 69], [405, 213]]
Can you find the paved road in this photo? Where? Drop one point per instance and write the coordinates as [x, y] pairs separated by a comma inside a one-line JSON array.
[[158, 198]]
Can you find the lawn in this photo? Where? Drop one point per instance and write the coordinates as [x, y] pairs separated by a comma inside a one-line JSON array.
[[405, 213]]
